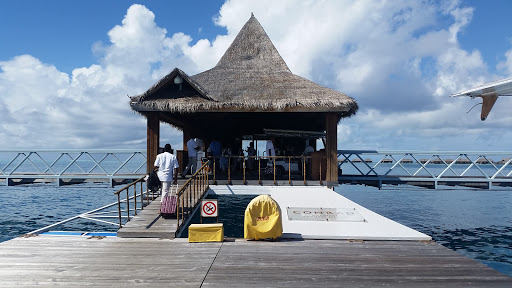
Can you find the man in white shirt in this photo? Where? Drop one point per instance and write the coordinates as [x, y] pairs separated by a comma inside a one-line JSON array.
[[166, 163], [194, 145], [270, 148]]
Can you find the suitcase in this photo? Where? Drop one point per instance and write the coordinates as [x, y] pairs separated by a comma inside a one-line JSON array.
[[168, 205]]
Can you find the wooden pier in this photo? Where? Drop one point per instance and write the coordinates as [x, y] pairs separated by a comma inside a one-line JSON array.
[[145, 254], [77, 261]]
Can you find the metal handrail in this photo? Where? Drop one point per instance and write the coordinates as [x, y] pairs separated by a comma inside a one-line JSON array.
[[190, 194], [134, 197], [50, 163], [434, 166]]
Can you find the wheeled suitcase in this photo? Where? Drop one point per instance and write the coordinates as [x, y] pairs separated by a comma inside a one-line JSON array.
[[168, 205]]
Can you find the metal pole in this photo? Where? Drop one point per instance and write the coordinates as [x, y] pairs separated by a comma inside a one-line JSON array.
[[304, 168], [178, 208], [229, 169], [274, 159], [259, 170], [135, 199], [289, 170], [119, 210], [141, 196]]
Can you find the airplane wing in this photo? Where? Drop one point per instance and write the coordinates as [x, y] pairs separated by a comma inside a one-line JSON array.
[[489, 93]]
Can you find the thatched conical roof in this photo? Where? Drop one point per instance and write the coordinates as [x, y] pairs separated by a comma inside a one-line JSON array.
[[250, 76]]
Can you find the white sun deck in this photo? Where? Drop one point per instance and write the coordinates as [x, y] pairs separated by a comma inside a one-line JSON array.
[[310, 213]]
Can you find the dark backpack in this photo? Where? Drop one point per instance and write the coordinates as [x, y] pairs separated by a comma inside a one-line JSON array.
[[154, 183]]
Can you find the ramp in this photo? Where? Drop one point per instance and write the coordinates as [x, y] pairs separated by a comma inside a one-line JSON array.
[[321, 213]]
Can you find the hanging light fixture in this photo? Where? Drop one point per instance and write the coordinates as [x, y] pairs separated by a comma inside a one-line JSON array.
[[178, 81]]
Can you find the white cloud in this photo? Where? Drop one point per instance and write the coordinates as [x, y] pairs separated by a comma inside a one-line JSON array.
[[506, 65], [399, 59]]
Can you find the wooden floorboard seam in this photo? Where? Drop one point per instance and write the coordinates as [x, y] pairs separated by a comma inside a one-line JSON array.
[[211, 264]]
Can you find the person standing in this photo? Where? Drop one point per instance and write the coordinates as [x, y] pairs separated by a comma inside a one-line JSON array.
[[271, 153], [215, 150], [192, 149], [270, 148], [166, 163], [251, 153]]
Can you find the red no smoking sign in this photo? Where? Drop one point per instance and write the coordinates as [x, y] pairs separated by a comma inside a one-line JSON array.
[[209, 208]]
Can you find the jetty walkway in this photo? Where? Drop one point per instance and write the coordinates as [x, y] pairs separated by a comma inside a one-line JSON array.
[[146, 254], [77, 261]]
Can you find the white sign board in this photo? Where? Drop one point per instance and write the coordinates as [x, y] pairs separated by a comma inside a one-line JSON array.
[[209, 208], [324, 214]]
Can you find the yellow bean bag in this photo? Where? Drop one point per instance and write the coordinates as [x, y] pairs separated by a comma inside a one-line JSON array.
[[262, 219]]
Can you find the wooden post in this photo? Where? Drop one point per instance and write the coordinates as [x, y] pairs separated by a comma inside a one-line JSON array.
[[331, 148], [153, 141]]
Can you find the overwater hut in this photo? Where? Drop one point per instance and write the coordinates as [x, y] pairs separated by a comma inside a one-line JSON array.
[[249, 90]]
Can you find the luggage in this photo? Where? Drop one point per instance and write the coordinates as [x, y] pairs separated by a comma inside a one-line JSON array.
[[168, 204], [153, 181]]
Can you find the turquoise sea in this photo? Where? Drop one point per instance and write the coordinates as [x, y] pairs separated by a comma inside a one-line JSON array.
[[475, 223]]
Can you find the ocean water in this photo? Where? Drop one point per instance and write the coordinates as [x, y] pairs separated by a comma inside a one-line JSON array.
[[475, 223], [25, 208]]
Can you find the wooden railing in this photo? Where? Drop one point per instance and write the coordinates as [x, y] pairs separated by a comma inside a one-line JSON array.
[[279, 165], [190, 194], [136, 205]]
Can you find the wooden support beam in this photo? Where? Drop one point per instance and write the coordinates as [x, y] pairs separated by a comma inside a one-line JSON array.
[[153, 141], [331, 147]]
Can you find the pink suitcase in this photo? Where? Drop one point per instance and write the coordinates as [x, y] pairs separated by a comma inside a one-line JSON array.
[[168, 205]]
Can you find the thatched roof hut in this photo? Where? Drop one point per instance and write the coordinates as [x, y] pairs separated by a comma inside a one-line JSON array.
[[250, 77], [250, 90]]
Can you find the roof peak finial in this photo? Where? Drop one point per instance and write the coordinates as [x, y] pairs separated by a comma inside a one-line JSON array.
[[252, 14]]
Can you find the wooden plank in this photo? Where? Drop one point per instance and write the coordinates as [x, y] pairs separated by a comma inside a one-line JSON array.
[[347, 264], [73, 261], [80, 261]]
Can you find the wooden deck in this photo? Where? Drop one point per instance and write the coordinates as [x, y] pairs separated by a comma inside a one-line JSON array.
[[77, 261], [149, 224]]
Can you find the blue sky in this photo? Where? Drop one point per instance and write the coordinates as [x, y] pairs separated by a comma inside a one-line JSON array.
[[67, 66], [63, 32]]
